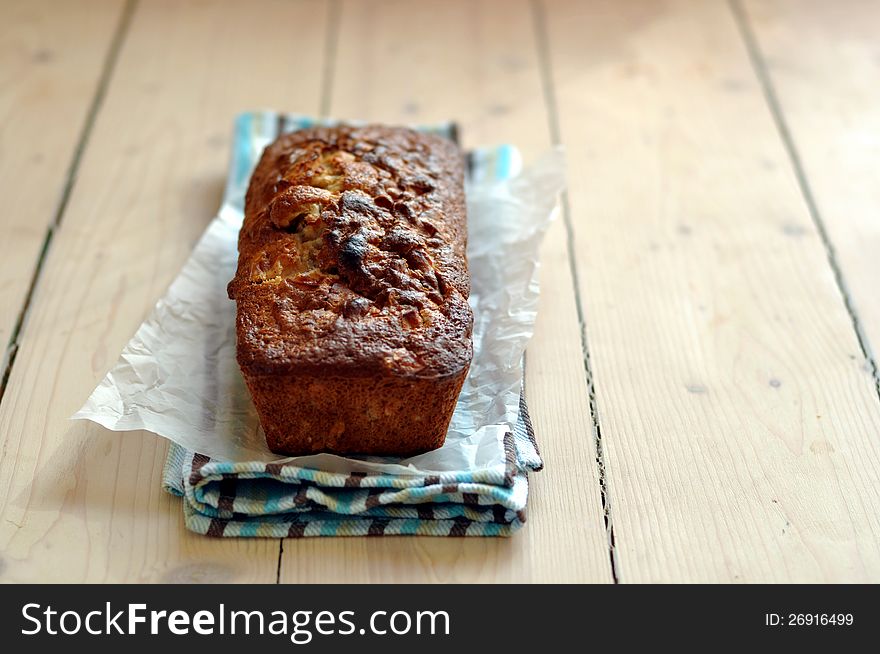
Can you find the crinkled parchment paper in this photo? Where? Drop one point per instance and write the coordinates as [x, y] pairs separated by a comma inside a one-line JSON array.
[[178, 376]]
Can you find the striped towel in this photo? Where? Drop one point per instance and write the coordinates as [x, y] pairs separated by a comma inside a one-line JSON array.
[[283, 499], [277, 500]]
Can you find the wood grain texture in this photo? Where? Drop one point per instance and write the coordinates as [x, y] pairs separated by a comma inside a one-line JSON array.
[[49, 74], [79, 503], [738, 419], [738, 423], [823, 60], [394, 63]]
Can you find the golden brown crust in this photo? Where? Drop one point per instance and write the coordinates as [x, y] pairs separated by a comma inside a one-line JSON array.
[[351, 267]]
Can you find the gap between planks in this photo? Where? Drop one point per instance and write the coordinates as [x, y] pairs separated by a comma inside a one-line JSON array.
[[69, 179], [759, 65], [545, 67], [331, 38]]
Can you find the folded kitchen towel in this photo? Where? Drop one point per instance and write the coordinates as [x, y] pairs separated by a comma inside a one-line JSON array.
[[279, 499]]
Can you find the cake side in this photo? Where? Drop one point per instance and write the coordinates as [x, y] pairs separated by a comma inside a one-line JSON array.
[[391, 416]]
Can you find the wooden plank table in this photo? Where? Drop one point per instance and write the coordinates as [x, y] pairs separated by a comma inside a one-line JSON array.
[[702, 377]]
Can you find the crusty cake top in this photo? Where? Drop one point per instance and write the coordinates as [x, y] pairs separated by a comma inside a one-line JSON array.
[[352, 255]]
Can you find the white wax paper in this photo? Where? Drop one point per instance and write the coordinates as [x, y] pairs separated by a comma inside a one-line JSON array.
[[178, 377]]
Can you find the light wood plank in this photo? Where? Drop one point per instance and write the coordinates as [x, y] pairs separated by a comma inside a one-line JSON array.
[[739, 425], [51, 57], [823, 59], [396, 63], [79, 503]]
